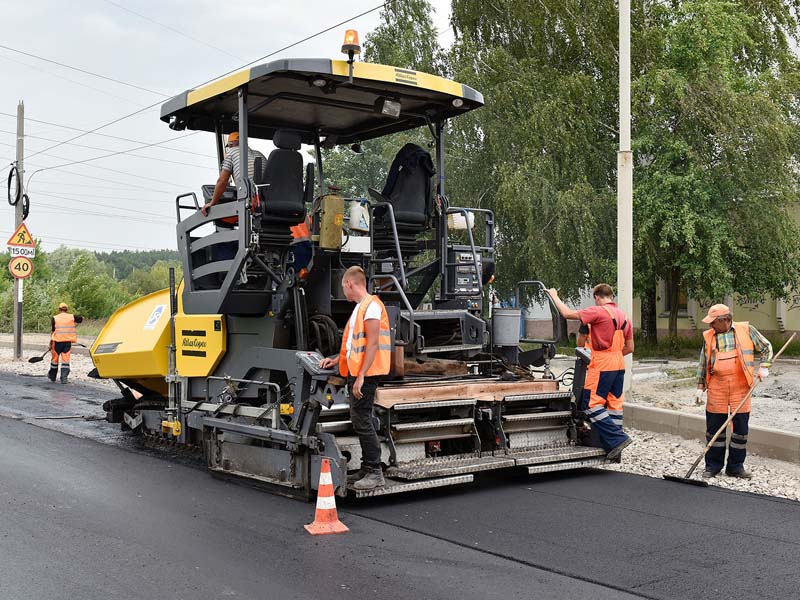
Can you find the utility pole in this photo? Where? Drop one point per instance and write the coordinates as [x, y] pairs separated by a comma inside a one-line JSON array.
[[625, 177], [17, 221]]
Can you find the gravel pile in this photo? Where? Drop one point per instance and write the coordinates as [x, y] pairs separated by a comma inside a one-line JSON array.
[[659, 454], [79, 364]]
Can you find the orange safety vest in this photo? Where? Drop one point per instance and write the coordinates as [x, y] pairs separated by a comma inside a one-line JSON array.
[[745, 352], [383, 357], [65, 328], [610, 359], [301, 231], [729, 375]]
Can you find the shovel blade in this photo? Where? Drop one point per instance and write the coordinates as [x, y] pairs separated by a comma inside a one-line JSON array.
[[697, 482], [35, 359]]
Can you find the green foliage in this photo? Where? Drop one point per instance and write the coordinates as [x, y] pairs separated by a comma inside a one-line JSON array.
[[405, 38], [84, 281], [146, 281], [716, 128], [123, 263], [542, 153]]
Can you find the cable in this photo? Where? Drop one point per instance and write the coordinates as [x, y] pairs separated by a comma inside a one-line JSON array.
[[84, 71], [58, 167], [86, 160], [141, 110], [128, 247], [52, 74], [371, 10], [187, 36], [112, 206], [164, 160], [113, 137]]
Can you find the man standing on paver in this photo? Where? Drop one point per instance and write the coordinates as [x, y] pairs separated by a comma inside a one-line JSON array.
[[725, 373], [611, 340], [364, 358], [61, 340]]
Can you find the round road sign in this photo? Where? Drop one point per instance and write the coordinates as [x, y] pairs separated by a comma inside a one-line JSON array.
[[21, 267]]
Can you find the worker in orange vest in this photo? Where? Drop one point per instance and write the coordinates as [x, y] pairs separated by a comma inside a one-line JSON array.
[[365, 356], [725, 374], [301, 243], [611, 336], [61, 339]]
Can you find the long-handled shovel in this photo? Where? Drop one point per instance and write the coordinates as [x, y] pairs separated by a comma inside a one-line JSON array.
[[700, 482], [36, 359]]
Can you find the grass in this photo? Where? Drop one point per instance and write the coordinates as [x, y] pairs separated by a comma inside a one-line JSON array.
[[89, 328]]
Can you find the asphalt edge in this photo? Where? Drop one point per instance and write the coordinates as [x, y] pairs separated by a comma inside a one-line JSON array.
[[762, 441]]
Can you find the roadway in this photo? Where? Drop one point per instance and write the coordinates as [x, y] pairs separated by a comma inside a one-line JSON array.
[[82, 519]]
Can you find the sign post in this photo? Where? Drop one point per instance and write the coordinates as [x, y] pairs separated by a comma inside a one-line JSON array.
[[22, 249], [18, 222]]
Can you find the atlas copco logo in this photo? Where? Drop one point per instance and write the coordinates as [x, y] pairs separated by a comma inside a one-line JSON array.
[[193, 343]]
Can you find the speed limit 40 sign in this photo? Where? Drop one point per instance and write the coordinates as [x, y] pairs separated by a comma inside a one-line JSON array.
[[21, 267]]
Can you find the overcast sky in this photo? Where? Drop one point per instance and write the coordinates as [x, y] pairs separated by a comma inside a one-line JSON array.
[[128, 201]]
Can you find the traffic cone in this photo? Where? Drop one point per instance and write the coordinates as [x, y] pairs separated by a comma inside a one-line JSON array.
[[326, 520]]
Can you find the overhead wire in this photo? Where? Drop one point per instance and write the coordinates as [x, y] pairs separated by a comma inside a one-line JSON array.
[[130, 246], [173, 29], [84, 71], [141, 110], [116, 207], [159, 159], [113, 137]]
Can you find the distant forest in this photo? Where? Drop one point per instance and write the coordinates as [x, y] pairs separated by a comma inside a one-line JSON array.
[[93, 284]]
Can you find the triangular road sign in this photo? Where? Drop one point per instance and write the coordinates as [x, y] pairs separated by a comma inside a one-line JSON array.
[[21, 237]]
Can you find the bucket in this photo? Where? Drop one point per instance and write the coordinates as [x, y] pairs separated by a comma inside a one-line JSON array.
[[505, 326], [359, 215]]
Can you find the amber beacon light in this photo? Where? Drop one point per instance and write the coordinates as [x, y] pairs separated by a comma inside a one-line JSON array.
[[351, 47]]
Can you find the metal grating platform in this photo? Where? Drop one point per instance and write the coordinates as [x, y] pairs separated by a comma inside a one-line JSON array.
[[536, 457], [566, 466], [440, 467], [398, 487]]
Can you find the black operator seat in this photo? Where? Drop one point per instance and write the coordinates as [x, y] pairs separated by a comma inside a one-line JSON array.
[[409, 189], [283, 200]]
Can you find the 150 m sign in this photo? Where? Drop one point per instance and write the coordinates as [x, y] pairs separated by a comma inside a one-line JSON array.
[[21, 267]]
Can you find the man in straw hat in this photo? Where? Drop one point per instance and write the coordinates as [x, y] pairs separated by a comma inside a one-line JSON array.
[[726, 372]]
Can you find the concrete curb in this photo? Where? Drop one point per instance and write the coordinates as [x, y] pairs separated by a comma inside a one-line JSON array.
[[762, 441]]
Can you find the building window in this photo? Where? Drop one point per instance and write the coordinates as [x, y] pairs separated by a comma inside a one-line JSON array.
[[682, 300]]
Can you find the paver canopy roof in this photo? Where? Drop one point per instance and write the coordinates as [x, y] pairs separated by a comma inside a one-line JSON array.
[[315, 95]]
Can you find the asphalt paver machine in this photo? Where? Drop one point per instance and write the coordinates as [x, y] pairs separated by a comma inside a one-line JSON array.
[[227, 361]]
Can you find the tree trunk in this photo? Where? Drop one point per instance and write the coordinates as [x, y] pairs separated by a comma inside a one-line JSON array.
[[650, 316], [674, 288]]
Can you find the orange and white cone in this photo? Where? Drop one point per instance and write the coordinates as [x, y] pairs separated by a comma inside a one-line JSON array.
[[326, 520]]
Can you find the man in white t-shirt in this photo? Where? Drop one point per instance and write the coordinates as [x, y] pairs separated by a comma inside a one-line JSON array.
[[365, 357]]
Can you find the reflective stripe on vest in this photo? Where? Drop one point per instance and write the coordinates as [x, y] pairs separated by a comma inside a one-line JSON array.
[[65, 328], [745, 351], [383, 357]]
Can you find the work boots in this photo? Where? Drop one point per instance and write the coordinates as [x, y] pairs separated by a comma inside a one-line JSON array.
[[356, 475], [64, 372], [373, 479]]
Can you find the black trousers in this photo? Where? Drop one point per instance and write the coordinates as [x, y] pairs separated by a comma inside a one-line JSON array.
[[737, 451], [361, 416]]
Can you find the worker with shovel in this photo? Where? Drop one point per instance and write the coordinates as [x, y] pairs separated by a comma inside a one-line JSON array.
[[725, 375], [61, 340]]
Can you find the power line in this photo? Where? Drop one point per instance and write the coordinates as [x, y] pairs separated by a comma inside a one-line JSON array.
[[60, 239], [86, 160], [84, 71], [100, 204], [52, 74], [326, 30], [113, 137], [159, 159], [179, 32]]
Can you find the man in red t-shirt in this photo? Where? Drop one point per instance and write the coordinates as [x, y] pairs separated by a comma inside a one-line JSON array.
[[611, 336]]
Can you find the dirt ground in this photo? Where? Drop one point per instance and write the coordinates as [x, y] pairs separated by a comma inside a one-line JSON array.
[[672, 385]]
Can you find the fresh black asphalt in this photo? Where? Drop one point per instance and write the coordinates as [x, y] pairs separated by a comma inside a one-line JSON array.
[[80, 519]]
